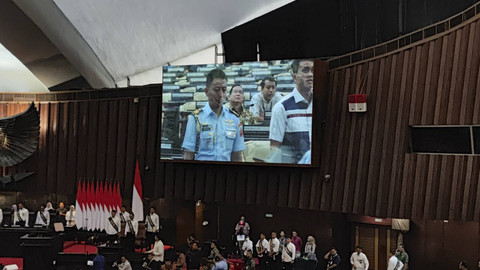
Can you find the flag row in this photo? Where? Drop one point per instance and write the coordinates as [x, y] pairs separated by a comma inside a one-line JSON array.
[[94, 202]]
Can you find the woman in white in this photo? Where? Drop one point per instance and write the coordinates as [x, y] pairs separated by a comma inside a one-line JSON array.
[[70, 217], [158, 250], [310, 247]]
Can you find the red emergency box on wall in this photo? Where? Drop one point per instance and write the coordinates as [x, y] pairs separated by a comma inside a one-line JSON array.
[[357, 103]]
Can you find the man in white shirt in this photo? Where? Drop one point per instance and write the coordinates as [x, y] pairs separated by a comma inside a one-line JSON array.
[[1, 216], [265, 100], [20, 217], [247, 245], [131, 230], [152, 223], [70, 217], [124, 215], [288, 254], [359, 260], [158, 250], [112, 227], [273, 252], [125, 265], [394, 263], [43, 217], [262, 251]]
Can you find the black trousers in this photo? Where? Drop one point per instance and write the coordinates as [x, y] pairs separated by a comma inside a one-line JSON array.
[[288, 266], [129, 242], [262, 262], [150, 240]]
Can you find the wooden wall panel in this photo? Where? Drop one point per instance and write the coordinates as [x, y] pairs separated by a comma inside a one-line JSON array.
[[433, 82]]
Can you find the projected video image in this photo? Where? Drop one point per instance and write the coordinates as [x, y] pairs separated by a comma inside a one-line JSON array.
[[244, 112]]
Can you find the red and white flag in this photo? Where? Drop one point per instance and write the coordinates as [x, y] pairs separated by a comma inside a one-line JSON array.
[[137, 197], [79, 207]]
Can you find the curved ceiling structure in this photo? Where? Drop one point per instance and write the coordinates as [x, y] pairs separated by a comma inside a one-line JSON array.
[[110, 40]]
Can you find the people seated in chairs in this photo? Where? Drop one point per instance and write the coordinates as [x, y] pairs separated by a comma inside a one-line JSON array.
[[112, 227], [168, 265], [265, 100], [236, 98], [43, 217], [123, 265], [181, 262], [221, 263], [20, 216], [150, 264], [70, 217], [158, 250]]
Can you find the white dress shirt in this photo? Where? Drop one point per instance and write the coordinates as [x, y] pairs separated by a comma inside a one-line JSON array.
[[247, 245], [394, 264], [125, 215], [134, 226], [262, 244], [23, 214], [1, 215], [275, 244], [360, 261], [125, 266], [156, 223], [157, 251], [109, 227], [39, 220], [290, 247]]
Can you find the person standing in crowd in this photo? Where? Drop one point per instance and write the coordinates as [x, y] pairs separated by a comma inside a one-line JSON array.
[[150, 264], [283, 241], [221, 263], [43, 217], [124, 215], [288, 254], [131, 230], [1, 216], [265, 100], [242, 230], [262, 250], [62, 213], [190, 240], [152, 222], [333, 259], [247, 245], [393, 262], [310, 248], [21, 216], [124, 264], [235, 104], [70, 217], [158, 250], [99, 262], [359, 260], [297, 241], [49, 208], [463, 265], [402, 256], [213, 132], [112, 227], [249, 263], [274, 248], [291, 123], [193, 257], [13, 214], [213, 252]]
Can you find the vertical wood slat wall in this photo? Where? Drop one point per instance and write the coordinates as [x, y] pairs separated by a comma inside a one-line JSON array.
[[436, 82]]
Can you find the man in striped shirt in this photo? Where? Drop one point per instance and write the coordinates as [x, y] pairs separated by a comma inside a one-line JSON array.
[[291, 122]]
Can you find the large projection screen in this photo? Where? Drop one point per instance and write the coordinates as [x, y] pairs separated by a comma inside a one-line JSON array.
[[250, 112]]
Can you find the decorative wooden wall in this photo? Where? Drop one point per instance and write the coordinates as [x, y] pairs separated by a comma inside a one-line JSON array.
[[435, 81]]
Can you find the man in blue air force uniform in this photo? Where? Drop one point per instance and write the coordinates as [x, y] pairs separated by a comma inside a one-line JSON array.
[[214, 133]]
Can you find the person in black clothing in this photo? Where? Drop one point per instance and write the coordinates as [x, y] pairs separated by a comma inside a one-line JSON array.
[[333, 259], [62, 213], [193, 257]]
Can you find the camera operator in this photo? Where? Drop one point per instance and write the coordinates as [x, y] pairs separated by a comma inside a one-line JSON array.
[[124, 265]]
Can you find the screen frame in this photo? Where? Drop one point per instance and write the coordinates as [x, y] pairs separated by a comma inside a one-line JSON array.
[[319, 111]]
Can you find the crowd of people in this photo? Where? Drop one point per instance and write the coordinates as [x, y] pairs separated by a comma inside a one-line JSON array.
[[45, 216]]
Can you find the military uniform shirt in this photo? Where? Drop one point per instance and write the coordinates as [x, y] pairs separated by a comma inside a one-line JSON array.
[[219, 136]]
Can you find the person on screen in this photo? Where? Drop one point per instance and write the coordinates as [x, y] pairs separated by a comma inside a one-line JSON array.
[[214, 132], [291, 123], [265, 100], [43, 217], [235, 104]]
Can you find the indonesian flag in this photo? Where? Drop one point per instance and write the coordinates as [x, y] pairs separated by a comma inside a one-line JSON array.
[[96, 212], [101, 208], [118, 198], [137, 197], [78, 207]]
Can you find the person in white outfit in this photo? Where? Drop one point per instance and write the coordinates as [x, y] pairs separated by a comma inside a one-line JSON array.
[[43, 217], [394, 263], [359, 260], [158, 250], [247, 245], [288, 254], [21, 216]]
